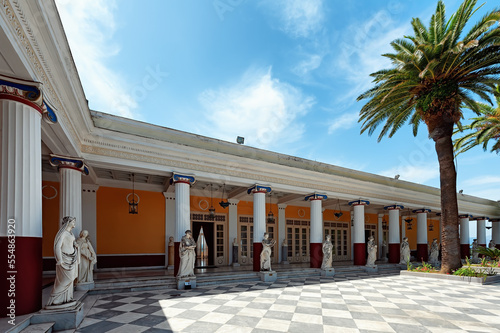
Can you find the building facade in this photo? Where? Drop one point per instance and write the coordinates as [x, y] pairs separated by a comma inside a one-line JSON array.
[[58, 158]]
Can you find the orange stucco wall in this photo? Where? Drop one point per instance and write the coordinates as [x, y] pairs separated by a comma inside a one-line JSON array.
[[245, 208], [202, 204], [50, 217], [119, 232]]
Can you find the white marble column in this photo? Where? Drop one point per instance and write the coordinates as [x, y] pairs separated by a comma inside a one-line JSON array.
[[21, 109], [89, 212], [394, 241], [358, 233], [70, 172], [481, 230], [282, 229], [422, 242], [259, 221], [233, 227], [182, 211], [464, 236], [169, 224], [316, 230], [495, 232], [380, 231]]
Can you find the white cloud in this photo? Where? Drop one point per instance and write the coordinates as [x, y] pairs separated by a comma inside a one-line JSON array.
[[345, 121], [485, 186], [259, 107], [361, 49], [414, 173], [89, 27], [307, 65], [298, 18]]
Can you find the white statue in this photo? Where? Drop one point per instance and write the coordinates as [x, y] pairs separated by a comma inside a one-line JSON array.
[[187, 255], [67, 257], [492, 244], [235, 242], [372, 252], [87, 259], [475, 254], [434, 253], [404, 252], [265, 255], [327, 253], [284, 243]]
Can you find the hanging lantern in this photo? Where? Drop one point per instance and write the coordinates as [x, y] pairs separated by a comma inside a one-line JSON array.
[[222, 203], [133, 205]]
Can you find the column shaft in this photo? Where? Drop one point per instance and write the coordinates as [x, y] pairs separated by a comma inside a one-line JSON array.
[[394, 241], [233, 226], [316, 234], [359, 245], [422, 251], [71, 197], [89, 212], [282, 231], [20, 207], [495, 233], [182, 218], [481, 232], [380, 231], [464, 237], [259, 226]]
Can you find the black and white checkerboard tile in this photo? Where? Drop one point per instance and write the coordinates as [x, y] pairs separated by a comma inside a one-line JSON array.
[[347, 303]]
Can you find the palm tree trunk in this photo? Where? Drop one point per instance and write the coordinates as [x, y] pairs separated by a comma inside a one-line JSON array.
[[450, 242]]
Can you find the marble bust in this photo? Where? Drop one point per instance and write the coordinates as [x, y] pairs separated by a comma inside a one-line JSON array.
[[265, 255], [67, 255], [492, 244], [87, 260], [187, 255]]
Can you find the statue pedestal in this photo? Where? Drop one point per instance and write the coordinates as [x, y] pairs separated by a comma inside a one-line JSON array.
[[85, 286], [66, 316], [371, 268], [169, 267], [269, 276], [186, 283], [328, 272], [235, 264]]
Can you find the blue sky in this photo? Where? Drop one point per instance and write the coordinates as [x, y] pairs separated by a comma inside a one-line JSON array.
[[284, 74]]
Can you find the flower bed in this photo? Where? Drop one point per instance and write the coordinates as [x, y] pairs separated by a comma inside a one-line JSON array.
[[453, 278]]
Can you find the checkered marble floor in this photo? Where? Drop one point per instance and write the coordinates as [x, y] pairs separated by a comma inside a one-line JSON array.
[[346, 303]]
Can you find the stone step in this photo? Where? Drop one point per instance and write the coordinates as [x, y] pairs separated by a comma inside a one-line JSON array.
[[39, 328]]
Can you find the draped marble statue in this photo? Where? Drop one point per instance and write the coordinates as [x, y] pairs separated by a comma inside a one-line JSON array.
[[372, 252], [404, 252], [265, 255], [475, 254], [187, 255], [67, 255], [434, 253], [492, 244], [327, 253], [87, 258]]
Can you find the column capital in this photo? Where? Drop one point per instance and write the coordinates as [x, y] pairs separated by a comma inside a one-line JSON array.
[[28, 93], [394, 207], [74, 163], [259, 189], [463, 216], [482, 218], [421, 210], [359, 202], [233, 202], [90, 187], [182, 178], [315, 196]]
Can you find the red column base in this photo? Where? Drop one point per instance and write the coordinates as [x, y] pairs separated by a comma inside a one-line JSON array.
[[316, 254], [359, 254], [422, 254], [394, 256], [257, 249], [21, 290], [464, 251], [177, 258]]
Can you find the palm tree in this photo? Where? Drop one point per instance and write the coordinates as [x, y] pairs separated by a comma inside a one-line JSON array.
[[434, 75], [484, 128]]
